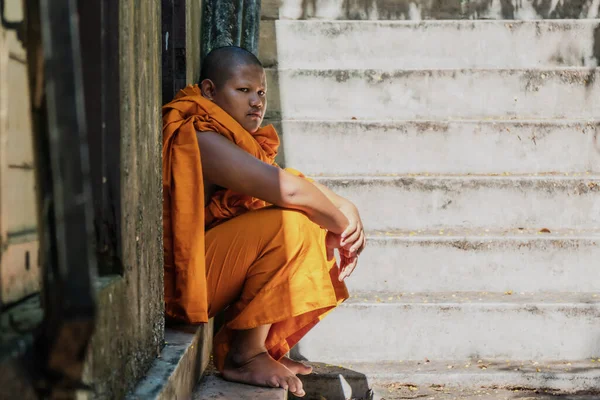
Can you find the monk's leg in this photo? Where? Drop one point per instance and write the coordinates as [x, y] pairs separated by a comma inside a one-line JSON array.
[[249, 362], [251, 342], [268, 269]]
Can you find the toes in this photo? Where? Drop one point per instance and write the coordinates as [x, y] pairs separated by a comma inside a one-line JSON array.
[[295, 386], [275, 381], [284, 383], [291, 384], [306, 369], [296, 367], [272, 382]]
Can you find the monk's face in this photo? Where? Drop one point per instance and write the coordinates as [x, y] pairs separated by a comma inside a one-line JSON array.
[[243, 96]]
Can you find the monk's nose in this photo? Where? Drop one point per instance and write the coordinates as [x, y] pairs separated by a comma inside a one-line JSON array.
[[255, 101]]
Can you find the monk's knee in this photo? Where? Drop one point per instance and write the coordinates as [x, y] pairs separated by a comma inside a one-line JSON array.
[[301, 235], [297, 224]]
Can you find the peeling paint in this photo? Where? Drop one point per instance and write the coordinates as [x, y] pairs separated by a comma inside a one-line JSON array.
[[430, 9]]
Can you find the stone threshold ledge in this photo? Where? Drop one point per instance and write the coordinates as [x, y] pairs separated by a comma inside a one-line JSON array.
[[213, 387], [182, 361], [176, 374]]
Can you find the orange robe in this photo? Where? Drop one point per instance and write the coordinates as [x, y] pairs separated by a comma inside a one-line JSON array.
[[266, 265]]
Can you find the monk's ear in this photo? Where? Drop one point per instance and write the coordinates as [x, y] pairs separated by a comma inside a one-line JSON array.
[[209, 89]]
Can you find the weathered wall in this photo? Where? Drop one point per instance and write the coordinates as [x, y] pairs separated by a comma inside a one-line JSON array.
[[130, 324], [428, 9], [193, 40], [19, 268]]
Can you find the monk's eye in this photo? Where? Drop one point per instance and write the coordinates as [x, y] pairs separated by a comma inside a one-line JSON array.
[[245, 90], [262, 93]]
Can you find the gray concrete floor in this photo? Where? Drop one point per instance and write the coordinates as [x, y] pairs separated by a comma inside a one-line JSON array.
[[400, 391]]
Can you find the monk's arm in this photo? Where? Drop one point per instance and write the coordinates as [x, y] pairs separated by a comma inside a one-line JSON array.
[[226, 165], [353, 238], [336, 199]]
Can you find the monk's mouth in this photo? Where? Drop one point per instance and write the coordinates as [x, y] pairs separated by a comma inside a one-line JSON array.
[[256, 115]]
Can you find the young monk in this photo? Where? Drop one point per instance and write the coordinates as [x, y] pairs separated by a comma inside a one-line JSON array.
[[243, 235]]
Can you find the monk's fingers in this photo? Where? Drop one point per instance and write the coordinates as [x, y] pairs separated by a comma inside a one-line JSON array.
[[342, 268], [363, 246], [355, 248], [360, 244], [346, 256], [345, 252], [357, 244], [349, 231], [349, 241], [349, 267]]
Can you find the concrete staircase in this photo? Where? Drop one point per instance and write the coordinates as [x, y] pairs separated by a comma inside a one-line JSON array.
[[470, 148]]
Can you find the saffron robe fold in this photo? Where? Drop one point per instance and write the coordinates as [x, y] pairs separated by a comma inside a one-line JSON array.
[[269, 266]]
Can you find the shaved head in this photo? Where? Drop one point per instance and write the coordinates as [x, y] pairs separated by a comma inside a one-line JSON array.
[[220, 64], [235, 80]]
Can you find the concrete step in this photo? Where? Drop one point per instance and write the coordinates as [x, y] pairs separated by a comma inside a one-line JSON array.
[[421, 9], [514, 260], [457, 379], [182, 361], [433, 94], [475, 202], [213, 387], [428, 44], [454, 147], [400, 391], [381, 327]]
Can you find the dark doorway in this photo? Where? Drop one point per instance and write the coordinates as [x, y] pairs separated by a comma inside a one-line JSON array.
[[173, 48], [99, 32]]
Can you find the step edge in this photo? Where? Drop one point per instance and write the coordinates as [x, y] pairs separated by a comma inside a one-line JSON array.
[[475, 299], [544, 121], [449, 239], [213, 387], [424, 176], [449, 70], [450, 235], [565, 21], [169, 373], [470, 373]]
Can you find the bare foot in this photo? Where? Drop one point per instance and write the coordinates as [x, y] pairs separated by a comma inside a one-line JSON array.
[[296, 366], [262, 370]]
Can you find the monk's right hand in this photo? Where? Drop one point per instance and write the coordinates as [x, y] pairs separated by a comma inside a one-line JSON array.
[[353, 238], [348, 259]]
